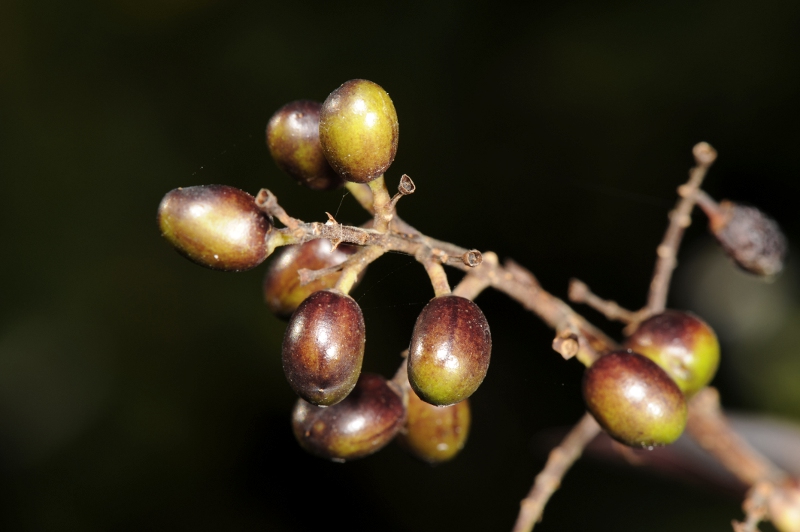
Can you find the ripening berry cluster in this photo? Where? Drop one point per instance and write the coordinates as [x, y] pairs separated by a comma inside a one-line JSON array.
[[341, 413], [638, 395]]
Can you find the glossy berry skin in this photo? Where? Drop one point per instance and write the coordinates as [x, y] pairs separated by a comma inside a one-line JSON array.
[[216, 226], [450, 350], [323, 347], [358, 130], [367, 420], [293, 140], [634, 400], [682, 344], [434, 434], [282, 290]]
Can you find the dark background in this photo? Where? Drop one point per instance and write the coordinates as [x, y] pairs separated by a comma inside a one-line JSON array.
[[141, 392]]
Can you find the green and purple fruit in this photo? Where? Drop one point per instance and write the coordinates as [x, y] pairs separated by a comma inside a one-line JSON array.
[[216, 226], [363, 423], [358, 130], [450, 350], [682, 344], [293, 140], [434, 434], [282, 289], [323, 347], [634, 400]]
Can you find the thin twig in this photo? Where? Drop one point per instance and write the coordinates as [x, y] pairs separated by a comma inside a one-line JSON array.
[[679, 220], [436, 274], [549, 479], [579, 292], [709, 427], [755, 507]]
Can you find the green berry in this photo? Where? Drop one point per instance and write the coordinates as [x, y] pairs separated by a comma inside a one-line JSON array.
[[634, 400], [358, 130], [434, 434], [216, 226], [363, 423], [293, 141], [323, 347], [682, 344], [450, 350], [282, 289]]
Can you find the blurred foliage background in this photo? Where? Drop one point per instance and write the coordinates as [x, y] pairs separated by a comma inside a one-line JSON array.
[[140, 392]]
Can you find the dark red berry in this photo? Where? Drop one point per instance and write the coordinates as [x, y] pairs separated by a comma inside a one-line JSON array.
[[293, 141], [323, 347], [358, 426]]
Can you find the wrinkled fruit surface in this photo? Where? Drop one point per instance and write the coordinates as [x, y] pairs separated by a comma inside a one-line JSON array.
[[323, 347], [358, 130], [682, 344], [216, 226], [751, 238], [634, 400], [450, 350], [282, 290], [293, 140], [434, 434], [360, 425]]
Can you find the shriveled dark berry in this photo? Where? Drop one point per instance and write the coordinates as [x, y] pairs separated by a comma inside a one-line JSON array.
[[216, 226], [358, 426], [682, 344], [634, 400], [450, 350], [751, 238], [434, 434], [323, 347], [282, 289], [293, 141], [358, 130]]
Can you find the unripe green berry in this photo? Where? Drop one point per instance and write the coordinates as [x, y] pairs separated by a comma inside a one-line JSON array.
[[216, 226], [360, 425], [434, 434], [682, 344], [450, 350], [358, 130], [634, 400], [293, 140], [323, 347]]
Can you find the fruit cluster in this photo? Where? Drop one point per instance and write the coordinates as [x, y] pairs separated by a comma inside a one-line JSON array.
[[638, 393], [348, 140]]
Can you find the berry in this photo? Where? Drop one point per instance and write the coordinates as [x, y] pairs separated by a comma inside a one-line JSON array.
[[634, 400], [751, 238], [450, 350], [358, 130], [360, 425], [282, 290], [434, 434], [323, 347], [293, 141], [216, 226], [682, 344]]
